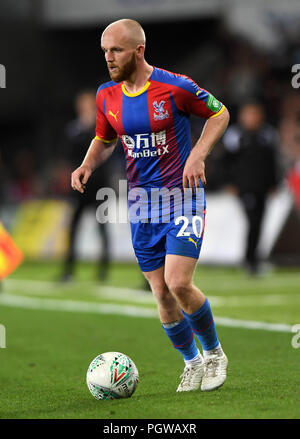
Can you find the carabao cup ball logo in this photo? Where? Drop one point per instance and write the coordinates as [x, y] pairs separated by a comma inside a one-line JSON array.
[[120, 369]]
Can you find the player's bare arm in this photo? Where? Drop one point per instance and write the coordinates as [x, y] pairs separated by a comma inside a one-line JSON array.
[[97, 153], [195, 164]]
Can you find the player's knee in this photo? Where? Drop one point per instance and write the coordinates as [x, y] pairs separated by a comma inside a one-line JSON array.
[[161, 293], [179, 287]]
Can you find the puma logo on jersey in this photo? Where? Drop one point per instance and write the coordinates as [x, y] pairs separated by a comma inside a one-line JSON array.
[[113, 115], [194, 242]]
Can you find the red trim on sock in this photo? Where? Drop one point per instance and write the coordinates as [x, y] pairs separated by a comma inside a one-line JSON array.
[[203, 329], [181, 345]]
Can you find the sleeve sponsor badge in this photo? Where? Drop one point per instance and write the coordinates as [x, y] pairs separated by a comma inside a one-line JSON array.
[[213, 104]]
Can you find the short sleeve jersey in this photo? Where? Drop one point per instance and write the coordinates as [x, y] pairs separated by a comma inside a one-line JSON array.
[[153, 125]]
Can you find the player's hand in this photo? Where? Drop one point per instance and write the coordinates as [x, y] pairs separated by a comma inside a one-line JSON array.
[[80, 177], [193, 170]]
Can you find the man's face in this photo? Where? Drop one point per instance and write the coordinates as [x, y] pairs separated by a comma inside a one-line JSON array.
[[120, 56], [85, 104], [251, 117]]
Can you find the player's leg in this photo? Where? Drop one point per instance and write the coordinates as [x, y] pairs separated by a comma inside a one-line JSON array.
[[149, 245], [177, 329], [171, 317], [179, 271], [168, 309]]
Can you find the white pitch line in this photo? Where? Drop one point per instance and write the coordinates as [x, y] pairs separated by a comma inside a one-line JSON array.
[[36, 286], [252, 324], [133, 311], [249, 284], [141, 296], [33, 287], [113, 293], [255, 300], [72, 305]]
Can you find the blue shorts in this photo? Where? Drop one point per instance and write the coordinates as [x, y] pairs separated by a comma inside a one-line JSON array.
[[153, 241]]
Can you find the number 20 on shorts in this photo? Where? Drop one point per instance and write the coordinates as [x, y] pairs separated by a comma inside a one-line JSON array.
[[197, 225]]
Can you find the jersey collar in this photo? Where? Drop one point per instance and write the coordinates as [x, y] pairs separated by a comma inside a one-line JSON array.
[[132, 95]]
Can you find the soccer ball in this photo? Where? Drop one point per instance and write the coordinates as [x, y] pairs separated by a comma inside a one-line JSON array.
[[112, 375]]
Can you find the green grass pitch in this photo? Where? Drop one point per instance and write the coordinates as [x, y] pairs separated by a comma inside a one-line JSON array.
[[48, 349]]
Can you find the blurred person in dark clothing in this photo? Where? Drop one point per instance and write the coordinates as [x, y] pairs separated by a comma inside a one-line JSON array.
[[252, 171], [76, 136]]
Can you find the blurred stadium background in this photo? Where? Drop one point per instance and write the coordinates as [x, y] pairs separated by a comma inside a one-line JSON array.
[[51, 51]]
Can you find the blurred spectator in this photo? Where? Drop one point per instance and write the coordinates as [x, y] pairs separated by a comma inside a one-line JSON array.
[[290, 135], [293, 179], [290, 127], [252, 171], [77, 137]]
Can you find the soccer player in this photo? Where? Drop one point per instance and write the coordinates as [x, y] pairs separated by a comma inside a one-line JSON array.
[[148, 109]]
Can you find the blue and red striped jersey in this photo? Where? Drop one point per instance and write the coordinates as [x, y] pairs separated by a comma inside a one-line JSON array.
[[153, 125]]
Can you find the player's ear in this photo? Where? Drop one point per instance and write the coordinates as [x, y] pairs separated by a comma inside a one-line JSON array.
[[140, 50]]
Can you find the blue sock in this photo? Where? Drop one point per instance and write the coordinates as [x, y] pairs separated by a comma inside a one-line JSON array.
[[182, 338], [203, 325]]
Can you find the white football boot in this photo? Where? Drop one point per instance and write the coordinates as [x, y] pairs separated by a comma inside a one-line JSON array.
[[215, 366], [191, 377]]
